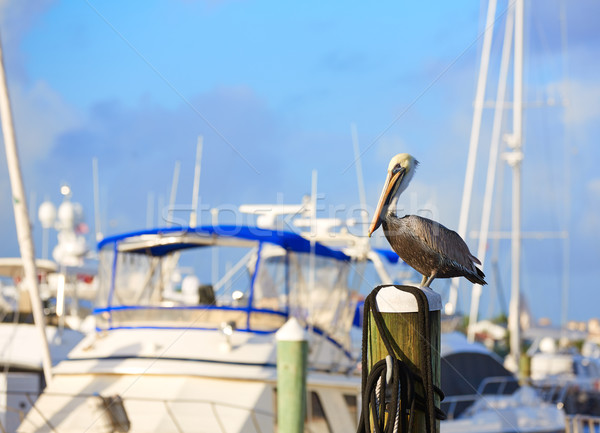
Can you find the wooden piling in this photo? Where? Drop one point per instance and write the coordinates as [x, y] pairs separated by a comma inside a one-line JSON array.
[[399, 311], [292, 352]]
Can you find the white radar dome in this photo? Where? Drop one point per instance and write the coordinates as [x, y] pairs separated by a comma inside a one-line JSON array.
[[47, 214], [548, 345], [66, 213]]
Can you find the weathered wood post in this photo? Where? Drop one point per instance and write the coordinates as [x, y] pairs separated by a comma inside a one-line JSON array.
[[292, 352], [400, 313]]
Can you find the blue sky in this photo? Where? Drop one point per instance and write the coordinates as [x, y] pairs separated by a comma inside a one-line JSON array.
[[274, 88]]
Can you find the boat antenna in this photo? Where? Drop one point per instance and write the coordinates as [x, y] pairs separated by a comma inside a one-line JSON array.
[[375, 259], [196, 189], [22, 219], [312, 257], [173, 195], [97, 225], [360, 179]]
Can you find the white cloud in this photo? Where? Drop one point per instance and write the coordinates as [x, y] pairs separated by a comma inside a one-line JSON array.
[[593, 187], [40, 116], [582, 99], [590, 218]]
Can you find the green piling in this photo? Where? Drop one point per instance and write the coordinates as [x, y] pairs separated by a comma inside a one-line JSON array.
[[292, 352]]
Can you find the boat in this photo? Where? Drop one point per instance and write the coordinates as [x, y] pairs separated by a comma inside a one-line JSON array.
[[483, 396], [174, 350], [171, 354], [22, 378], [66, 288], [565, 376]]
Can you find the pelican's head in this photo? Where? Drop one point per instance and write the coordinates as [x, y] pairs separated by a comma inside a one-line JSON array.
[[400, 171]]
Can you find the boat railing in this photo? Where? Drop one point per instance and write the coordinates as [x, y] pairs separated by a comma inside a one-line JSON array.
[[190, 317], [574, 395], [455, 404], [582, 423], [497, 385], [206, 318], [491, 386], [554, 392], [111, 411]]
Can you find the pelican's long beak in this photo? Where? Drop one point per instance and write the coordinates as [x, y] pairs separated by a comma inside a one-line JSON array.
[[384, 200]]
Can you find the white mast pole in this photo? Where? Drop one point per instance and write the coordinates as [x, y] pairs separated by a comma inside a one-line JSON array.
[[514, 159], [22, 219], [450, 308], [196, 189], [492, 165]]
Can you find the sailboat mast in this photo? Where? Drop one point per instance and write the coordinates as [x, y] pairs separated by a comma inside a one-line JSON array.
[[22, 219], [450, 307], [196, 187], [515, 158], [491, 169]]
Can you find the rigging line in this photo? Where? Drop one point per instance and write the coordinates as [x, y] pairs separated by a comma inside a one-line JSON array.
[[429, 86], [170, 85], [499, 291]]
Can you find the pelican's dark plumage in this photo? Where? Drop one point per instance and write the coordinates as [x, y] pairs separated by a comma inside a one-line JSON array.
[[427, 246]]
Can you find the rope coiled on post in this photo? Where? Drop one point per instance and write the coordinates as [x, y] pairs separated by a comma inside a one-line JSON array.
[[398, 397]]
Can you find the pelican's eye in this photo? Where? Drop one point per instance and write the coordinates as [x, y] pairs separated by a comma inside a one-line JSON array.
[[397, 168]]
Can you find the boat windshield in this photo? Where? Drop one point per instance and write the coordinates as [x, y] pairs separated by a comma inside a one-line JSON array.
[[213, 283]]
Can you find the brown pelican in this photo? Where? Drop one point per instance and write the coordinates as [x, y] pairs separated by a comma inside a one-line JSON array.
[[430, 248]]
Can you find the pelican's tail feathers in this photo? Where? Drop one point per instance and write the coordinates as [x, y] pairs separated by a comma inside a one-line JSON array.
[[476, 278]]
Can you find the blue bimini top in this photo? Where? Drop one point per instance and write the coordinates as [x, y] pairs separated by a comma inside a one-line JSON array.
[[161, 241]]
